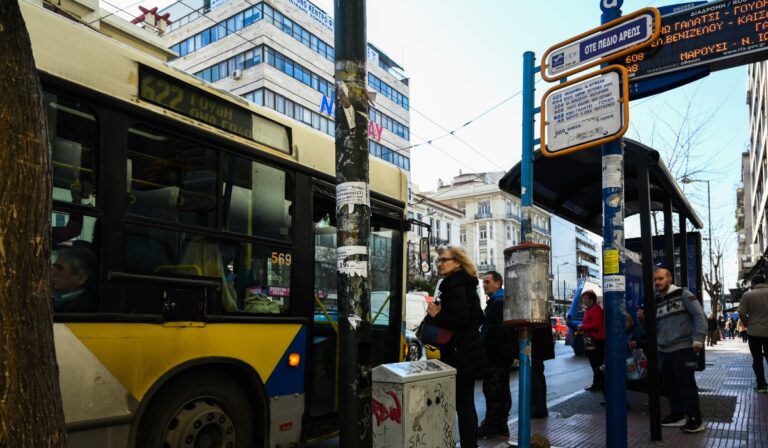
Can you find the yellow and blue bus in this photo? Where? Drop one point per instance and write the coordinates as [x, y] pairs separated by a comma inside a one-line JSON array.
[[194, 269]]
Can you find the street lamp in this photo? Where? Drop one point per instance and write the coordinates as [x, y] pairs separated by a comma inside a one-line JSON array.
[[558, 280], [688, 180]]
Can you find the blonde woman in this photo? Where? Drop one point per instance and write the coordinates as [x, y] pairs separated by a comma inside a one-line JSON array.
[[458, 309]]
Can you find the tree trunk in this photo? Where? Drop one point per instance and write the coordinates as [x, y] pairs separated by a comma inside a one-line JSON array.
[[30, 400]]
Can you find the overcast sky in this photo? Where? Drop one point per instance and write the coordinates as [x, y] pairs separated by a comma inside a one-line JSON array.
[[463, 57]]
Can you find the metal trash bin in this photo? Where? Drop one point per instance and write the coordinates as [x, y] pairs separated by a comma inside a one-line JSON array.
[[526, 285], [414, 404]]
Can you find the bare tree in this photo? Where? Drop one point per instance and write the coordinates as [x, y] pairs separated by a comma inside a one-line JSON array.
[[30, 399], [679, 134]]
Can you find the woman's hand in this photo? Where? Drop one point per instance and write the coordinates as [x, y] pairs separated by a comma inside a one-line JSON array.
[[433, 309]]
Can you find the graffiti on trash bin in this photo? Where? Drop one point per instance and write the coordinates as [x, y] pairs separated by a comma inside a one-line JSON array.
[[383, 413]]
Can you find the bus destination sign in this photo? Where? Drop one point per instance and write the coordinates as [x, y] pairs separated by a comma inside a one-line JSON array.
[[169, 93], [720, 35]]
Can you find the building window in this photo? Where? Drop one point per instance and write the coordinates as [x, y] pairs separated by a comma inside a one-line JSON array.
[[293, 110], [461, 205], [483, 231], [462, 235], [448, 232], [218, 31], [389, 123], [388, 91], [484, 208], [390, 155], [437, 227], [420, 217], [509, 233]]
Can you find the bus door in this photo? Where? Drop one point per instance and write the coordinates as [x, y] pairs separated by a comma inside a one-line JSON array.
[[385, 251]]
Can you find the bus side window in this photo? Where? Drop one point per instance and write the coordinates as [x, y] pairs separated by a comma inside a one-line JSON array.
[[259, 275], [170, 179], [75, 264], [73, 132], [257, 199]]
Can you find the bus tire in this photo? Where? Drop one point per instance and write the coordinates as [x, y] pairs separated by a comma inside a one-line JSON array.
[[199, 409]]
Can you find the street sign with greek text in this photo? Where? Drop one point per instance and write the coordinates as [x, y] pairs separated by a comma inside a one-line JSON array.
[[585, 112], [608, 41]]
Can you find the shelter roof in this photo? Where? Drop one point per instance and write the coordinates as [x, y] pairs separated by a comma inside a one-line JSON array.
[[570, 186]]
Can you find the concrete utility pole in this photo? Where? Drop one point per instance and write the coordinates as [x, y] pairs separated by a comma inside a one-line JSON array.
[[614, 287], [353, 217]]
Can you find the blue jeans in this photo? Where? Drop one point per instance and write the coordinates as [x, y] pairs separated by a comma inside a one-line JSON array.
[[677, 372]]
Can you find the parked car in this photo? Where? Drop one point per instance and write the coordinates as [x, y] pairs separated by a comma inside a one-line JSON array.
[[558, 327]]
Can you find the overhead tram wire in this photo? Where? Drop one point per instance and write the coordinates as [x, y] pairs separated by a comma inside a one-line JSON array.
[[482, 114], [448, 154], [119, 8], [114, 12], [453, 132]]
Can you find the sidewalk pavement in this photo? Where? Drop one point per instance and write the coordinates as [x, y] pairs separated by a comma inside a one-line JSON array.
[[733, 413]]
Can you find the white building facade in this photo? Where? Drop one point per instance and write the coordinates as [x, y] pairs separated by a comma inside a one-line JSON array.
[[751, 213], [279, 54], [444, 221], [491, 220]]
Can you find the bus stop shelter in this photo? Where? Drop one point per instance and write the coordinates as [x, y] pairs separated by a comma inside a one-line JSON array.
[[570, 186]]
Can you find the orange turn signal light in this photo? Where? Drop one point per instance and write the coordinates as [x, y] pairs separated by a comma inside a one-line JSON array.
[[294, 359], [286, 426]]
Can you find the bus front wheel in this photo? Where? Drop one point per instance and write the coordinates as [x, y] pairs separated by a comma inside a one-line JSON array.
[[200, 410]]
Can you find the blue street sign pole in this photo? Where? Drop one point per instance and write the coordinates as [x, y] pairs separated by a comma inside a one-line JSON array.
[[614, 289], [526, 193]]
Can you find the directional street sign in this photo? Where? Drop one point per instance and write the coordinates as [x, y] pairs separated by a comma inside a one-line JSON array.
[[717, 35], [593, 47], [585, 112], [631, 33]]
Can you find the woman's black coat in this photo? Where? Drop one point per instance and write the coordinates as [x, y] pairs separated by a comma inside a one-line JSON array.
[[460, 311]]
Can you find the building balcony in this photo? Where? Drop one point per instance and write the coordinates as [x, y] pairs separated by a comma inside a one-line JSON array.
[[511, 215], [482, 243], [540, 229], [591, 251], [485, 267], [437, 242], [484, 215]]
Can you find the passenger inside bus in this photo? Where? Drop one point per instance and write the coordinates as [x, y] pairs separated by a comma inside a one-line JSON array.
[[72, 280]]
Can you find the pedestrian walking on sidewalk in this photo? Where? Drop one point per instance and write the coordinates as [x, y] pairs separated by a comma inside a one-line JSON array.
[[721, 325], [459, 311], [542, 349], [753, 309], [500, 352], [712, 333], [741, 328], [730, 327], [680, 329], [593, 327]]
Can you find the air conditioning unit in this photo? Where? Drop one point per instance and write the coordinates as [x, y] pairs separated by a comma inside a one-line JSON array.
[[237, 74]]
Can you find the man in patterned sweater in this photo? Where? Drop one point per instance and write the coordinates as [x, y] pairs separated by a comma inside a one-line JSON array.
[[681, 326]]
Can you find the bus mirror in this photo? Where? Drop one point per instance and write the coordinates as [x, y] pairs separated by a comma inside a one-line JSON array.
[[424, 255]]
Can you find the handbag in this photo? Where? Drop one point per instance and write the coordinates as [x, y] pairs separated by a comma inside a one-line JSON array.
[[431, 334], [637, 365], [589, 343]]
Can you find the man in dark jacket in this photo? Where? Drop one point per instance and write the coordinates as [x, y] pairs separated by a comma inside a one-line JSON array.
[[500, 351]]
